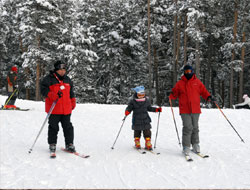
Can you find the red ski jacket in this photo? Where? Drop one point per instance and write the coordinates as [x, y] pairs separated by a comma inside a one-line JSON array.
[[189, 92], [50, 87]]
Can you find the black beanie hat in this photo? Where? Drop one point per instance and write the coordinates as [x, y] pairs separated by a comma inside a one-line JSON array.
[[188, 75], [187, 67], [59, 65]]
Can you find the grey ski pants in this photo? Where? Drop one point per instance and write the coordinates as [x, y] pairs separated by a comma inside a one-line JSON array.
[[190, 130]]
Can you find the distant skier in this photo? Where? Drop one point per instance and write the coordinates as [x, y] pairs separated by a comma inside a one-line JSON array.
[[140, 105], [189, 89], [245, 104], [11, 89], [57, 85]]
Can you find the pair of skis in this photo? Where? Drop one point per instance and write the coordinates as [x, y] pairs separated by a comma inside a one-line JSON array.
[[144, 151], [189, 158], [53, 154], [18, 109]]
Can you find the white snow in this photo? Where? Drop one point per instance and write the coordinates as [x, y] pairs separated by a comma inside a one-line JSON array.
[[133, 42], [115, 34], [96, 127]]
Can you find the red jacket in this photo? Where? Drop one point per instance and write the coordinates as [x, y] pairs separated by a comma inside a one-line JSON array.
[[189, 92], [50, 87]]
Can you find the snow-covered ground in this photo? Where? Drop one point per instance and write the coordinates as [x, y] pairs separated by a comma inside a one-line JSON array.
[[96, 127]]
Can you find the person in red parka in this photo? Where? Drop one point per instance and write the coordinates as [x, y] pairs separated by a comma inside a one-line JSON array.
[[188, 90], [12, 89], [58, 86]]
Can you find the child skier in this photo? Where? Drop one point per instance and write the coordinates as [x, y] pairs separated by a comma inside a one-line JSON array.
[[140, 105]]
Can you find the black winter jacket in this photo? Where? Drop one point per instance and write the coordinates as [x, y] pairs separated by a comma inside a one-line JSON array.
[[140, 119]]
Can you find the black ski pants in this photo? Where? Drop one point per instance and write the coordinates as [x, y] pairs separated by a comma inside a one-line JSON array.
[[12, 100], [146, 133], [243, 107], [68, 129]]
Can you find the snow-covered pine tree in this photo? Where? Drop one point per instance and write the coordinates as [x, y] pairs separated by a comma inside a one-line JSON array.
[[79, 48], [41, 30], [9, 39], [119, 46]]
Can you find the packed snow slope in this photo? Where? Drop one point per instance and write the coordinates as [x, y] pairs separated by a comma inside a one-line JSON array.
[[96, 127]]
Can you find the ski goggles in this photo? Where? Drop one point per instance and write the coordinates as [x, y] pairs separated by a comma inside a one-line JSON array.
[[188, 71], [141, 95]]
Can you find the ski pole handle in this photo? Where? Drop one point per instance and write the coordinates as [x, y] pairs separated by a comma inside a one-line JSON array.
[[124, 118]]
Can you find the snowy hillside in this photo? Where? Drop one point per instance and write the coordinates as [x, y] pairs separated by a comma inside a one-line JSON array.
[[96, 127]]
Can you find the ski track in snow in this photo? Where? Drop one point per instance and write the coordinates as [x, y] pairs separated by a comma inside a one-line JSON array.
[[96, 127]]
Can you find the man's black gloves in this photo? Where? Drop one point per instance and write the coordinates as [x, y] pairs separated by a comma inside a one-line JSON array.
[[210, 98]]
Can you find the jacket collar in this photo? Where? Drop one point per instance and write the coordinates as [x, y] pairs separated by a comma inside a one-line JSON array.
[[186, 80]]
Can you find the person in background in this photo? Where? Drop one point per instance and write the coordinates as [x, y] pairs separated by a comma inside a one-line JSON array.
[[57, 86], [245, 104], [12, 89], [140, 105], [188, 90]]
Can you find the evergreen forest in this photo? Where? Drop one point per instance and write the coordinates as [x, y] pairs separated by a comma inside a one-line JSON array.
[[111, 46]]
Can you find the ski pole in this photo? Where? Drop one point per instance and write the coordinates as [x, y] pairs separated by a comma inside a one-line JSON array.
[[119, 132], [49, 113], [229, 121], [175, 122], [157, 129], [10, 98]]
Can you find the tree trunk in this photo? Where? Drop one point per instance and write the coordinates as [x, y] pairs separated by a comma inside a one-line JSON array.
[[149, 54], [208, 71], [197, 59], [222, 92], [38, 73], [233, 54], [178, 47], [175, 47], [185, 40], [158, 98], [26, 70], [242, 62]]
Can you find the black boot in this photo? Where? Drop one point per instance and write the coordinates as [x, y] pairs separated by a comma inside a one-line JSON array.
[[52, 147], [70, 147]]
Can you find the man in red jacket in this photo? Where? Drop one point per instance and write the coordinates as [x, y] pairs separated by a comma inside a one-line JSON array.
[[188, 90], [58, 86]]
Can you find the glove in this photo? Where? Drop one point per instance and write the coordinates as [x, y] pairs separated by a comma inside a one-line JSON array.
[[59, 93], [127, 112], [73, 103], [158, 109], [16, 86], [210, 98]]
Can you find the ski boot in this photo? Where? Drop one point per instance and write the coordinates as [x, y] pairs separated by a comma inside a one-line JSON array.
[[70, 147], [196, 148], [10, 107], [186, 151], [52, 148], [137, 143], [148, 144]]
